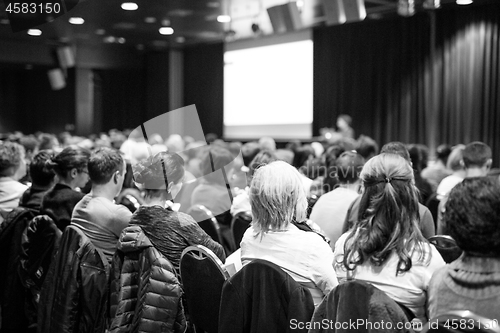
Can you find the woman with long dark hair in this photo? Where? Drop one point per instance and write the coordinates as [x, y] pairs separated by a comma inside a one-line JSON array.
[[385, 247], [70, 166]]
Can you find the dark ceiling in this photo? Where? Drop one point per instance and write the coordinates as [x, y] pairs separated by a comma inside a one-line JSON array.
[[194, 21]]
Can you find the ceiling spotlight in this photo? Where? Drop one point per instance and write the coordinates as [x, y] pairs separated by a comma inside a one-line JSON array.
[[121, 40], [432, 4], [224, 18], [150, 19], [129, 6], [76, 20], [166, 31], [180, 39], [406, 7], [464, 2], [109, 39], [100, 32], [34, 32], [4, 21]]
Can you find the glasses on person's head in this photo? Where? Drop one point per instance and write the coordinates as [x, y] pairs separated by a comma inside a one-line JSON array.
[[349, 153]]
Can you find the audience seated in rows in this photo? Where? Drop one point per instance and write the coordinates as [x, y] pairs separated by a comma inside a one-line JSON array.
[[426, 221], [169, 231], [101, 220], [476, 161], [385, 247], [70, 166], [472, 282], [279, 204], [330, 210], [12, 168]]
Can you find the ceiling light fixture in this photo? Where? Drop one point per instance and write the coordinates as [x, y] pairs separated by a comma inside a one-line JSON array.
[[76, 20], [180, 39], [166, 31], [150, 19], [406, 7], [432, 4], [34, 32], [224, 18], [100, 32], [464, 2], [129, 6]]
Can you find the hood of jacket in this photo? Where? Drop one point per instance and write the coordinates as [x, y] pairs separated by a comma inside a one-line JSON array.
[[133, 239]]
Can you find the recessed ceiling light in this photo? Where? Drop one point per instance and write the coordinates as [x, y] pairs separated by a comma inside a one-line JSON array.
[[166, 31], [34, 32], [109, 39], [4, 21], [140, 47], [129, 6], [76, 20], [121, 40], [100, 32], [180, 39], [223, 18], [464, 2], [213, 4], [165, 23], [150, 19]]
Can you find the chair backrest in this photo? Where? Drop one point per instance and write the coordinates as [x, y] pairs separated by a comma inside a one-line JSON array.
[[461, 321], [40, 242], [358, 301], [202, 278], [206, 221], [75, 291], [433, 204], [240, 224], [261, 297], [446, 246]]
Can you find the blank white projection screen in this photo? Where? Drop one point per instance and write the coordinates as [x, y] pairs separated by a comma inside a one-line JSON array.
[[268, 90]]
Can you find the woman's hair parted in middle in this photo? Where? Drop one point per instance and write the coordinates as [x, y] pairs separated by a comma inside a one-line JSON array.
[[388, 216], [277, 197]]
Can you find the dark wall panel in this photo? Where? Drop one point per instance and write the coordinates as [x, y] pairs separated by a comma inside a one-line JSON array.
[[204, 84]]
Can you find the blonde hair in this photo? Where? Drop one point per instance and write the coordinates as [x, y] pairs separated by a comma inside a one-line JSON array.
[[277, 197]]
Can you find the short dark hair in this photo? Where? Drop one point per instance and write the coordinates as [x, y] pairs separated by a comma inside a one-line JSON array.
[[348, 166], [151, 172], [442, 152], [68, 159], [397, 148], [473, 215], [103, 163], [10, 156], [41, 174], [476, 154], [217, 157]]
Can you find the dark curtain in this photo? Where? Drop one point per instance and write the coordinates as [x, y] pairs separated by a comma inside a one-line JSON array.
[[28, 103], [431, 79], [120, 98], [204, 84]]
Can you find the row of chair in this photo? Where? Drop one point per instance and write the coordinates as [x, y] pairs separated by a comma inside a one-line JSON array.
[[208, 222], [263, 298]]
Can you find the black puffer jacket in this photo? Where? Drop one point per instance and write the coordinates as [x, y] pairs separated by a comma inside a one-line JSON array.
[[39, 243], [145, 292], [75, 291]]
